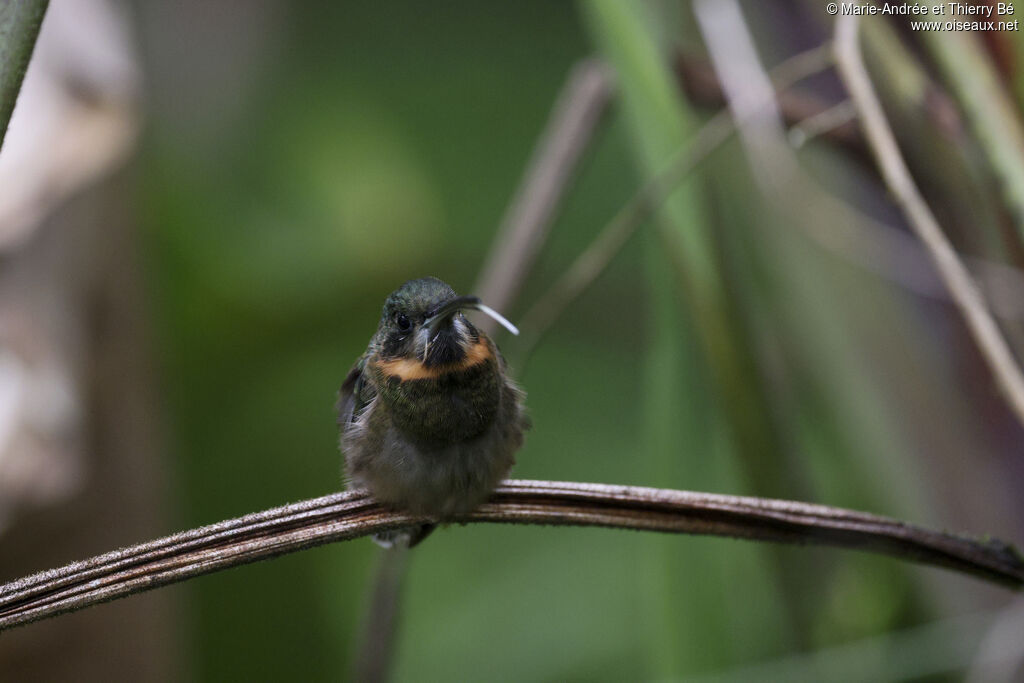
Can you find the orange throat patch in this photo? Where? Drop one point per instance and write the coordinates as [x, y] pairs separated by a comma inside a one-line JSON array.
[[406, 369]]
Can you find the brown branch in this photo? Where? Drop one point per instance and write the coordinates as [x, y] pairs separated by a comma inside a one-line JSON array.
[[348, 515]]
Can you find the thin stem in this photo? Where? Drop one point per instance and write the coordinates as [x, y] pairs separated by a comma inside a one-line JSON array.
[[595, 258], [574, 119], [351, 514], [897, 177], [821, 123]]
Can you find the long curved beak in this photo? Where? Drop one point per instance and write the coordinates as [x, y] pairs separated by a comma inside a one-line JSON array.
[[443, 314]]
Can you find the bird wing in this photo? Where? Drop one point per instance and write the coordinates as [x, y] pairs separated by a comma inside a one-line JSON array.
[[354, 393]]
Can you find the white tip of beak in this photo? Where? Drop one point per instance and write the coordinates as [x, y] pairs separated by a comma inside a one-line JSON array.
[[484, 308]]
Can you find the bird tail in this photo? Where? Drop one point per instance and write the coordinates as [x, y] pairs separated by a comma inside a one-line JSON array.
[[408, 536]]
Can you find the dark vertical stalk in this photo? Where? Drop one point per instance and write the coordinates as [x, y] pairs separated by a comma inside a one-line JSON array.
[[374, 654]]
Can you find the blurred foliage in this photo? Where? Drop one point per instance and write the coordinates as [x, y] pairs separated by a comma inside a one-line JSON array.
[[374, 142]]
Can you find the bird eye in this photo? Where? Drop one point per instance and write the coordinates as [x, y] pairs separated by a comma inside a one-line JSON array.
[[403, 322]]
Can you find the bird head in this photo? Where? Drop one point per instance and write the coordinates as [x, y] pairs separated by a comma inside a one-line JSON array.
[[423, 321]]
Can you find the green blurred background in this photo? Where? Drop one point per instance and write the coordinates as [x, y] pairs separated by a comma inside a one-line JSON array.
[[300, 160]]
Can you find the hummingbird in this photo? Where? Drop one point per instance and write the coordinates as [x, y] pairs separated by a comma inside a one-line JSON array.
[[430, 421]]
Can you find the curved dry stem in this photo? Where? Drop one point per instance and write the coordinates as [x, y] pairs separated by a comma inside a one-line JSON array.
[[897, 177], [348, 515]]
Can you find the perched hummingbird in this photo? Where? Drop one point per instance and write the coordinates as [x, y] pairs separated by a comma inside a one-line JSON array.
[[430, 421]]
